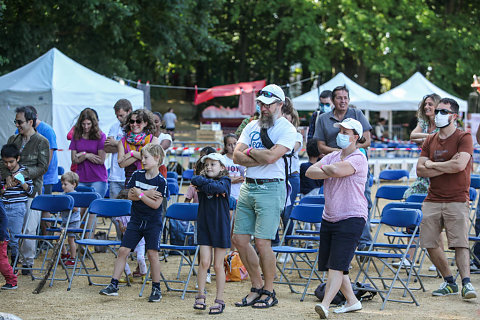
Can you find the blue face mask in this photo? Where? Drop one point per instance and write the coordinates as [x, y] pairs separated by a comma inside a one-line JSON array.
[[258, 108], [327, 108], [343, 140]]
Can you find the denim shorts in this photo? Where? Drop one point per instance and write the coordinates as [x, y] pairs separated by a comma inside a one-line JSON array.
[[258, 209]]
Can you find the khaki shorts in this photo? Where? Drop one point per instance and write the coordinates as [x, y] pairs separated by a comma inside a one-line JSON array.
[[453, 216]]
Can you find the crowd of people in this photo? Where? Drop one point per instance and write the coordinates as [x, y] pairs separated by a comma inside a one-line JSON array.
[[259, 171]]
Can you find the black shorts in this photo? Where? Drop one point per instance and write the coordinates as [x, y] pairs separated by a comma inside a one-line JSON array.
[[136, 230], [338, 241], [47, 188]]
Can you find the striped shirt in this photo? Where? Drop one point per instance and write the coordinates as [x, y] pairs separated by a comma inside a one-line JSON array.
[[17, 194]]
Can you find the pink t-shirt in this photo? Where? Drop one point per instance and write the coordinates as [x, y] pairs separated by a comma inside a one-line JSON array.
[[191, 194], [344, 197]]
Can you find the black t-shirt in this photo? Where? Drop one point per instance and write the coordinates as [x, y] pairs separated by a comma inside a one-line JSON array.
[[307, 184], [140, 211]]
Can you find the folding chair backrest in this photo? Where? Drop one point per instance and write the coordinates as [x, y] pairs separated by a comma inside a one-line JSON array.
[[475, 181], [110, 207], [402, 217], [187, 174], [320, 199], [60, 171], [172, 174], [311, 213], [172, 188], [183, 211], [402, 205], [473, 194], [84, 189], [416, 197], [232, 203], [393, 174], [172, 180], [52, 203], [391, 192], [83, 199]]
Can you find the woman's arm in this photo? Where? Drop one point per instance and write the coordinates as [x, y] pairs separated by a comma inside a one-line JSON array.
[[78, 157], [126, 159], [417, 135], [315, 171], [339, 169]]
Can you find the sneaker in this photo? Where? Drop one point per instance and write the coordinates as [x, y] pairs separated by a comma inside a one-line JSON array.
[[9, 286], [209, 278], [432, 268], [283, 258], [156, 295], [124, 279], [110, 290], [143, 279], [406, 264], [65, 256], [322, 311], [70, 262], [26, 272], [446, 289], [468, 291]]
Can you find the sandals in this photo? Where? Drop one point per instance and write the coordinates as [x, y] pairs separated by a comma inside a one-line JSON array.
[[200, 305], [268, 302], [245, 303], [218, 307]]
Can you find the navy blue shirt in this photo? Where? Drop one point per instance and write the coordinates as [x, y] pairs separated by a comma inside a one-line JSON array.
[[140, 211], [307, 184], [3, 223]]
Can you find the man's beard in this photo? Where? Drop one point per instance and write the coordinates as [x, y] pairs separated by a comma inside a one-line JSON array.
[[266, 121]]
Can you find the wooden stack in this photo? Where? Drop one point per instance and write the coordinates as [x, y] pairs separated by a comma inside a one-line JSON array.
[[210, 132]]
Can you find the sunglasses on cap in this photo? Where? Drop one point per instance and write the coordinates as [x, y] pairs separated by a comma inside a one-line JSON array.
[[138, 121], [268, 94], [443, 112]]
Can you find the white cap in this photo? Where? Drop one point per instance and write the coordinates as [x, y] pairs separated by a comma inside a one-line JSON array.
[[271, 93], [215, 156], [350, 123]]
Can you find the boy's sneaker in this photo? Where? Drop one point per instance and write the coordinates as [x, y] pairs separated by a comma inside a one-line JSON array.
[[468, 291], [70, 262], [111, 290], [9, 286], [156, 295], [65, 256], [446, 289], [209, 278]]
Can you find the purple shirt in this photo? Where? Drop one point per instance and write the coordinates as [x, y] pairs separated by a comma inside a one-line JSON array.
[[89, 171], [344, 197]]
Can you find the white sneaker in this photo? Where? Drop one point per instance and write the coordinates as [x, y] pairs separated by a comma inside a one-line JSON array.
[[322, 311], [209, 278], [283, 258], [354, 307], [406, 264], [432, 268]]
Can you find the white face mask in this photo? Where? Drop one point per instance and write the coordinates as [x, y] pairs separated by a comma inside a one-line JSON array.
[[441, 121], [343, 140]]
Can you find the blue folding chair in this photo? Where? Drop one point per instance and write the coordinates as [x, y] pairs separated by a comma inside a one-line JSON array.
[[310, 213], [173, 191], [393, 175], [99, 208], [416, 197], [172, 174], [387, 193], [320, 199], [186, 176], [396, 218], [55, 204], [84, 189], [183, 212]]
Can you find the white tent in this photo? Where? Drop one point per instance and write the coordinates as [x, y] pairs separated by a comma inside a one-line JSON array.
[[407, 96], [359, 96], [60, 88]]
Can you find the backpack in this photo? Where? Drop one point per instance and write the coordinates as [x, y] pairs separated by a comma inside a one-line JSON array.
[[100, 235], [234, 268], [363, 292]]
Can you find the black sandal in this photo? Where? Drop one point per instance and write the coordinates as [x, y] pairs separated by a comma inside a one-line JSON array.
[[266, 302], [245, 303], [200, 305], [218, 308]]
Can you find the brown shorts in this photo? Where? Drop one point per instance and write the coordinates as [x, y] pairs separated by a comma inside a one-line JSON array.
[[453, 216]]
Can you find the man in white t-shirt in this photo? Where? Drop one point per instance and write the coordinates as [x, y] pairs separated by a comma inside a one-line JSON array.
[[116, 178], [263, 194], [169, 120]]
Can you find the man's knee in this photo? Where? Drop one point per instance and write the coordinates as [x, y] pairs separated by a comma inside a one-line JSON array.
[[240, 240], [263, 244]]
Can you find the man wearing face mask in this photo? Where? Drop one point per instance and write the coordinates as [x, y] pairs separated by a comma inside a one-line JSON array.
[[446, 159], [325, 106], [327, 133], [263, 194]]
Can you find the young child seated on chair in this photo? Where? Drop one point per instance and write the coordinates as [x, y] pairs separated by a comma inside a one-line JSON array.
[[69, 183], [139, 249], [5, 268], [146, 189], [15, 198]]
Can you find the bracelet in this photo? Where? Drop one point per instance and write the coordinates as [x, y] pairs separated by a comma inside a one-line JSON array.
[[140, 195], [248, 151], [131, 153]]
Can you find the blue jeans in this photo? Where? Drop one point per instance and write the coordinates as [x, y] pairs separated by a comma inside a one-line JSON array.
[[115, 188], [99, 186], [366, 236], [294, 180], [15, 214]]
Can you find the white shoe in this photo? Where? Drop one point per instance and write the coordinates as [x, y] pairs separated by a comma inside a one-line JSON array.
[[354, 307], [209, 278], [432, 268], [406, 264], [283, 258], [322, 311]]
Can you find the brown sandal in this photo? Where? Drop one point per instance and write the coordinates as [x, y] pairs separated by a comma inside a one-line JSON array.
[[218, 307], [200, 305]]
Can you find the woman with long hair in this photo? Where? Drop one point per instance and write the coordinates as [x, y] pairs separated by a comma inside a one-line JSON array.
[[139, 130]]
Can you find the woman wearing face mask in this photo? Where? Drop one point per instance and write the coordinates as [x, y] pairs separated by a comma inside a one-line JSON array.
[[345, 173]]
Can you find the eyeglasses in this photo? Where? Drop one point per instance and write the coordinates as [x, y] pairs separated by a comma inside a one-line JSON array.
[[18, 122], [268, 94], [264, 105], [443, 112], [138, 121]]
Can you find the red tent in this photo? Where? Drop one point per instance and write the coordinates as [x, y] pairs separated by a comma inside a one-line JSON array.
[[229, 90]]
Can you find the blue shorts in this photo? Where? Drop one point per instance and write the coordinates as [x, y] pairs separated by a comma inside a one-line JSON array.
[[136, 230]]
